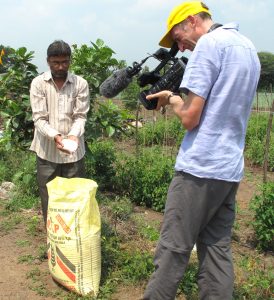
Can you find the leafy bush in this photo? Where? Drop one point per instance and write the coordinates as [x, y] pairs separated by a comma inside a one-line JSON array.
[[14, 98], [121, 208], [255, 141], [110, 248], [145, 178], [100, 160], [25, 194], [189, 285], [136, 266], [263, 205], [255, 152], [256, 129], [95, 63]]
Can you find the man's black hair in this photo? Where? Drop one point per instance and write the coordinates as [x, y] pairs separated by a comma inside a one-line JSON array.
[[58, 48]]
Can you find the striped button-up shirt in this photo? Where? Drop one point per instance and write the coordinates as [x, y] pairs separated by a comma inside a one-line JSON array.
[[56, 112]]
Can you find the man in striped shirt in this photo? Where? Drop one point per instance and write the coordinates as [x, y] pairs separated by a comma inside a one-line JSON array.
[[60, 103]]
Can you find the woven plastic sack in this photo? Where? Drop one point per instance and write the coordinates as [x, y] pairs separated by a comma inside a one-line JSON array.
[[74, 234]]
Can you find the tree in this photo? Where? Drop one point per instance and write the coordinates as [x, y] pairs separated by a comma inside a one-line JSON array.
[[95, 63], [267, 70], [14, 97]]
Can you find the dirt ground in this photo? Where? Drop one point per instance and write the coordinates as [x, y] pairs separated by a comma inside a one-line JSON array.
[[18, 280]]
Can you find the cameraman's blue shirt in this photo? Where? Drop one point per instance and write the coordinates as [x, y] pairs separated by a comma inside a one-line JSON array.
[[223, 69]]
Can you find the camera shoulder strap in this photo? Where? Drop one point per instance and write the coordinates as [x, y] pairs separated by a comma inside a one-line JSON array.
[[214, 26]]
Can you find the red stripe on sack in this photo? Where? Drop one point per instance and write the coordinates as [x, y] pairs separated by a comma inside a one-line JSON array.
[[63, 224], [70, 275]]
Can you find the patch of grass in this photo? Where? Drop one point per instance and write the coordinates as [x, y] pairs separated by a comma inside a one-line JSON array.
[[23, 243], [149, 231], [10, 223], [32, 225], [137, 266], [34, 274], [121, 208], [42, 252], [255, 279], [41, 290], [28, 259], [188, 285]]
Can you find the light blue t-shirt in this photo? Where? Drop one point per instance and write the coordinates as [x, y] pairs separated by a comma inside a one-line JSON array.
[[224, 69]]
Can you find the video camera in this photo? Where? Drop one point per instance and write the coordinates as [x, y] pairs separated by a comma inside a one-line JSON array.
[[170, 80], [172, 67]]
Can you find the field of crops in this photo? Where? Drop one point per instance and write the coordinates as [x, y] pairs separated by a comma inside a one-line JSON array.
[[263, 101]]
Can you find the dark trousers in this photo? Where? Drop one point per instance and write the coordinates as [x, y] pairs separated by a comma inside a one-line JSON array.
[[200, 211], [46, 171]]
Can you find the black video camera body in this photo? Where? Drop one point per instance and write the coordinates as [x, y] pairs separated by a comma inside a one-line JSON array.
[[171, 81]]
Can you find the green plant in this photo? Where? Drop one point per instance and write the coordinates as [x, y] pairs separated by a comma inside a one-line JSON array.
[[28, 259], [130, 95], [95, 63], [136, 266], [34, 274], [22, 171], [150, 233], [14, 99], [100, 162], [121, 208], [188, 284], [23, 243], [256, 281], [110, 249], [106, 121], [32, 225], [263, 206], [256, 128], [148, 177], [147, 230], [10, 222], [163, 132]]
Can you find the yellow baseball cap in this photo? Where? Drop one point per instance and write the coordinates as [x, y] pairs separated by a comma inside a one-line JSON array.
[[179, 14]]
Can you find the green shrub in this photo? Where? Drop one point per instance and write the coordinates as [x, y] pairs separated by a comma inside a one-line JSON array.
[[256, 128], [10, 162], [145, 178], [136, 266], [163, 132], [121, 208], [19, 167], [256, 139], [255, 152], [263, 206], [110, 249], [189, 285], [100, 161]]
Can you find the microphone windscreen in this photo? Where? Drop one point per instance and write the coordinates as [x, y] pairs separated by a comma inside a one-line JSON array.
[[114, 84]]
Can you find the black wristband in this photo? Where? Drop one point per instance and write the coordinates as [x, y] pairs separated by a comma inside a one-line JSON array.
[[171, 95]]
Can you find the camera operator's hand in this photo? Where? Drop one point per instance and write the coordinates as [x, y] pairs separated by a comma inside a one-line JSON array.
[[165, 98]]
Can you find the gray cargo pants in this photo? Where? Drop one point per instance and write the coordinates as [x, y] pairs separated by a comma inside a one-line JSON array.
[[46, 171], [200, 211]]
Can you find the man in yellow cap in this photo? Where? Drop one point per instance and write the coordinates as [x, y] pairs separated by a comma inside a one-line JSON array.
[[220, 82]]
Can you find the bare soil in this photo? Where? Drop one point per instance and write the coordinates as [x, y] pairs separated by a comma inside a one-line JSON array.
[[24, 273]]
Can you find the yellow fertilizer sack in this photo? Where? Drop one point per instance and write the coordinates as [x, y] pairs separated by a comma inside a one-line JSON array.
[[74, 234]]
